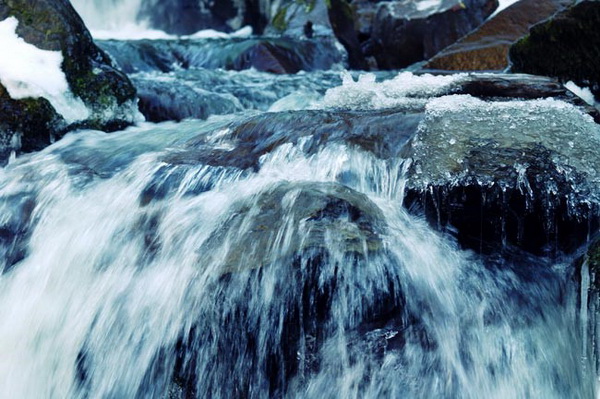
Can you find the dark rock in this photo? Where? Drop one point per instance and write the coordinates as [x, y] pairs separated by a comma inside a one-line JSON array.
[[184, 17], [108, 94], [341, 18], [308, 243], [381, 132], [17, 213], [27, 125], [161, 101], [404, 34], [486, 48], [496, 174], [566, 46]]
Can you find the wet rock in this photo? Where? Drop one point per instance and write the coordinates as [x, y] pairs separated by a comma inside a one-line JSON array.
[[566, 46], [381, 132], [277, 55], [318, 209], [106, 92], [308, 243], [17, 210], [161, 101], [507, 174], [405, 32], [486, 48]]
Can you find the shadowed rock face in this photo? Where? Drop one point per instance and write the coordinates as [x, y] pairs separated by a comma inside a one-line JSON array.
[[107, 93], [486, 48], [405, 32], [566, 46]]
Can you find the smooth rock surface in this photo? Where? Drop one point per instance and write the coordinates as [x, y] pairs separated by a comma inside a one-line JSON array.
[[486, 48]]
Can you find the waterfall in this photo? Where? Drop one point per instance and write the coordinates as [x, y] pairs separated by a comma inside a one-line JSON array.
[[110, 15], [139, 274]]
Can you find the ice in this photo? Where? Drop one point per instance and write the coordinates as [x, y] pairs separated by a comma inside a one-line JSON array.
[[32, 73], [405, 89]]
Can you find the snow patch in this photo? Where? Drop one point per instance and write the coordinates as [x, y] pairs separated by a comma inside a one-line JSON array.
[[32, 73], [503, 4]]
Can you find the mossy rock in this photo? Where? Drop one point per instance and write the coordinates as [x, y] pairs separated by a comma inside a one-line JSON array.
[[566, 47], [54, 25]]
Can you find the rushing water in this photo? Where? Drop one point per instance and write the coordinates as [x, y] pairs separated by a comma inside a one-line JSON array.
[[132, 271], [263, 252]]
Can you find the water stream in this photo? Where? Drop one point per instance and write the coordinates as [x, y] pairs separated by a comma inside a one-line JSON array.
[[249, 254]]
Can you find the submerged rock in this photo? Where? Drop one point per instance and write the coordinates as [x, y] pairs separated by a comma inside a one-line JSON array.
[[170, 100], [566, 46], [277, 55], [308, 244], [405, 32], [486, 48], [241, 145], [292, 219], [507, 173], [106, 96]]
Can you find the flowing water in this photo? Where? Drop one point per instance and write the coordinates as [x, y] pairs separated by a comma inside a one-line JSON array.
[[252, 255]]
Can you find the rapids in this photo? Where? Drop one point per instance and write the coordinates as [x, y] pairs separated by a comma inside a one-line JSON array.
[[260, 247]]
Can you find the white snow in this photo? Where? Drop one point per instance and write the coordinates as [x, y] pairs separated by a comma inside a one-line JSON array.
[[503, 4], [27, 71]]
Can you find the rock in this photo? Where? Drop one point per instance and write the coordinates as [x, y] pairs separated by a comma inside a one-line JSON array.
[[566, 47], [506, 86], [17, 210], [162, 101], [486, 48], [381, 132], [184, 17], [341, 18], [405, 32], [106, 92], [317, 209], [307, 243], [498, 174]]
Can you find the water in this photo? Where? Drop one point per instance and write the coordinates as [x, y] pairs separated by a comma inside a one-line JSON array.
[[136, 271], [260, 248]]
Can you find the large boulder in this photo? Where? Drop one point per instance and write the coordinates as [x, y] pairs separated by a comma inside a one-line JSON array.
[[486, 48], [405, 32], [103, 96], [507, 174], [566, 46]]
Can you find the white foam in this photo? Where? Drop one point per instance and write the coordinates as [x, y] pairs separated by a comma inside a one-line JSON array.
[[582, 92], [30, 72], [246, 31]]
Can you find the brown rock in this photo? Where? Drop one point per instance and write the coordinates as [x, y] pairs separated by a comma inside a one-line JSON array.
[[487, 47]]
